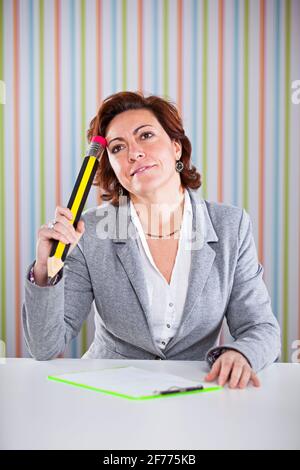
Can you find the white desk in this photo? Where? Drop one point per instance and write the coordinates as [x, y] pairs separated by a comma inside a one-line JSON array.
[[36, 413]]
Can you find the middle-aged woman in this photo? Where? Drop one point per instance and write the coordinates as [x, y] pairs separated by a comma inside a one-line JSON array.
[[161, 265]]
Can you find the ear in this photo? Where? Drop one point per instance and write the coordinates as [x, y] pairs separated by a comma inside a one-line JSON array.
[[178, 148]]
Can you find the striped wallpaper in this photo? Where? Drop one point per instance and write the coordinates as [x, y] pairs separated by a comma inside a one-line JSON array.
[[229, 66]]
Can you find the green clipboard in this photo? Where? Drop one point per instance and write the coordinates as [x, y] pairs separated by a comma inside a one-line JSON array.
[[133, 383]]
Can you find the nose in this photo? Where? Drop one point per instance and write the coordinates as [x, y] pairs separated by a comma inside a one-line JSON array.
[[134, 155]]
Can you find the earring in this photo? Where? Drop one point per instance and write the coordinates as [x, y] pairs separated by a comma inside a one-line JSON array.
[[121, 191], [179, 166]]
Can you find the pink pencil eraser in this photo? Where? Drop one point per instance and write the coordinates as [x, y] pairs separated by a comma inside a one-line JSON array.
[[101, 140]]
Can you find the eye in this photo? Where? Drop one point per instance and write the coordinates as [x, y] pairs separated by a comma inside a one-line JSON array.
[[115, 147], [147, 133]]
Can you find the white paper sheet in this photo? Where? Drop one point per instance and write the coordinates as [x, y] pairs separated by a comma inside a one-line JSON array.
[[130, 381]]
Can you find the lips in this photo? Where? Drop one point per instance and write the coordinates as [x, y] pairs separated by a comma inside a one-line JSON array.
[[141, 169]]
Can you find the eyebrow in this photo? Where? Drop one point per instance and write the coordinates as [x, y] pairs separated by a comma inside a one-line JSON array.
[[134, 132]]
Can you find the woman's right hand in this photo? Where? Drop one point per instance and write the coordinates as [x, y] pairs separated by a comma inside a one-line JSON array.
[[63, 231]]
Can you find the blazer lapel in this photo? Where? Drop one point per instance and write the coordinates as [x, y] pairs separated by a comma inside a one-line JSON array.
[[202, 258], [128, 254]]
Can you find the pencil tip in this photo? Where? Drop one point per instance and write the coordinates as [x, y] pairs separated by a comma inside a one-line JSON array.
[[54, 265]]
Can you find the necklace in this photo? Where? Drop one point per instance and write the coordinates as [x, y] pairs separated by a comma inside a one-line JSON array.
[[163, 236]]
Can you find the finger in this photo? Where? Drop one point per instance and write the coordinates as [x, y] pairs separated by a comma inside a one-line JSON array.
[[213, 374], [225, 371], [245, 377], [63, 211], [69, 225], [68, 232], [255, 380], [64, 220], [49, 234], [236, 374]]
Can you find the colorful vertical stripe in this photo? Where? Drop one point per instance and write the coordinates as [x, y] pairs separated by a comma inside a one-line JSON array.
[[57, 60], [98, 50], [3, 241], [245, 178], [286, 169], [193, 73], [140, 45], [165, 55], [220, 97], [236, 101], [155, 62], [220, 194], [261, 129], [216, 60], [41, 105], [205, 25], [17, 195], [31, 119], [179, 54], [276, 172]]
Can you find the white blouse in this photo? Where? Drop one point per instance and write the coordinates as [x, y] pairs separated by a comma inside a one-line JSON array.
[[166, 300]]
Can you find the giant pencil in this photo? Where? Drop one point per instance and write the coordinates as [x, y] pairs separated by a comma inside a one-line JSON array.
[[77, 201]]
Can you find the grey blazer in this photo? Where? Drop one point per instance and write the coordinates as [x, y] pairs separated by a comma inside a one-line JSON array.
[[105, 271]]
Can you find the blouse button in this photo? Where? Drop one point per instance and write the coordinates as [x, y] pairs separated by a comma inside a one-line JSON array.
[[168, 326]]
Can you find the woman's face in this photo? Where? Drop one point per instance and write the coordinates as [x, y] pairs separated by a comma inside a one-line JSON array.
[[135, 140]]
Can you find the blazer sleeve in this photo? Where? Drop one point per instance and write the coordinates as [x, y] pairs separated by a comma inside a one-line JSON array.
[[249, 315], [53, 315]]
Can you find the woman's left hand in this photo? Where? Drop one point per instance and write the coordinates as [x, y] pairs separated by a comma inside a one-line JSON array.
[[234, 368]]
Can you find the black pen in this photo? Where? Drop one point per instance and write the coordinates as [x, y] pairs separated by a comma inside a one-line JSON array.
[[179, 390]]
